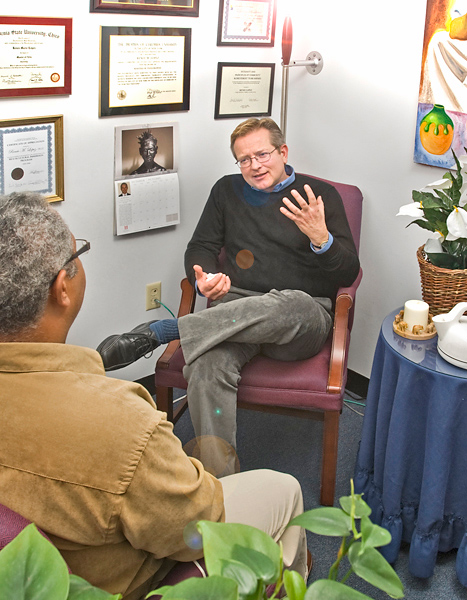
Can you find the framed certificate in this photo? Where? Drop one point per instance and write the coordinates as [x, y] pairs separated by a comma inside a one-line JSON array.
[[31, 156], [35, 56], [246, 23], [186, 8], [144, 70], [244, 90]]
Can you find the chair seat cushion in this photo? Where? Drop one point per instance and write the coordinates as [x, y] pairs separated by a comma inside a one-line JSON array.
[[266, 381]]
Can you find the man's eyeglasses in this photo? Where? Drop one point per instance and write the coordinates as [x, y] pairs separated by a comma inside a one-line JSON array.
[[262, 157], [84, 246]]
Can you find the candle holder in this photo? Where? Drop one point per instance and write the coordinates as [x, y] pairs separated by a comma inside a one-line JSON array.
[[418, 332]]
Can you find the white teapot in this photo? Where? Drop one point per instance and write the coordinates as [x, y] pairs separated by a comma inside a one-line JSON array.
[[452, 335]]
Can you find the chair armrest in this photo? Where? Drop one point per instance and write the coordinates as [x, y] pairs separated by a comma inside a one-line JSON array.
[[341, 329], [187, 305]]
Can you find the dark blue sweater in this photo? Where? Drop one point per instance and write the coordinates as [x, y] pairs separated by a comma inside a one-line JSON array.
[[236, 218]]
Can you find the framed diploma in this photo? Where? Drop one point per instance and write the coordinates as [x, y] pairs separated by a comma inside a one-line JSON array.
[[31, 156], [246, 23], [35, 56], [244, 90], [186, 8], [144, 70]]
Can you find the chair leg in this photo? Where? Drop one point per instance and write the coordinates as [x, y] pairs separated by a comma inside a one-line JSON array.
[[164, 401], [329, 461]]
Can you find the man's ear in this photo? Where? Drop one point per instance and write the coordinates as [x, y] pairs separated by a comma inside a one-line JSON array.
[[59, 289]]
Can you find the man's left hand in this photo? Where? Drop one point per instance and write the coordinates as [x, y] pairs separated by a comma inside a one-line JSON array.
[[308, 216]]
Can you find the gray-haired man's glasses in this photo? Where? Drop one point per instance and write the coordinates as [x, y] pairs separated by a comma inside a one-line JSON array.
[[85, 246], [262, 157]]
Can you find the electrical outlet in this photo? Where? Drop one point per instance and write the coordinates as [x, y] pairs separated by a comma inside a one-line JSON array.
[[153, 294]]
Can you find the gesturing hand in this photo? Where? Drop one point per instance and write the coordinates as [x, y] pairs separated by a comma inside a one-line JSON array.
[[213, 288], [308, 216]]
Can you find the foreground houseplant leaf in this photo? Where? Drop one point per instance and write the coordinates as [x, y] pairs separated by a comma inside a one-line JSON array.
[[221, 541], [294, 585], [371, 566], [374, 535], [31, 568], [325, 521], [195, 588], [82, 590], [325, 589]]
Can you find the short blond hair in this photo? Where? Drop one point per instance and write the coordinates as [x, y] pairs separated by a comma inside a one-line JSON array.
[[253, 124]]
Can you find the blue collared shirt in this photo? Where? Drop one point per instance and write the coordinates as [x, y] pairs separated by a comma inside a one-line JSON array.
[[282, 184]]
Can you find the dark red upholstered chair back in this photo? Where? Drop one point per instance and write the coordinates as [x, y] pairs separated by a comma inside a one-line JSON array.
[[312, 388]]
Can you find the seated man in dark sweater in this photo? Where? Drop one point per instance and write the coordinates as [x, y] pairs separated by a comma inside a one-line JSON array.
[[288, 248]]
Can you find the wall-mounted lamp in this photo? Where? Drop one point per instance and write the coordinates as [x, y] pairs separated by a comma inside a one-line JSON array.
[[313, 64]]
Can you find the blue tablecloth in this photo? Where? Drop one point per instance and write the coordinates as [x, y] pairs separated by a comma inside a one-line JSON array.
[[412, 461]]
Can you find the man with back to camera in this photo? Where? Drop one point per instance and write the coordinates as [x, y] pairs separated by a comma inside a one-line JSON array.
[[288, 248], [88, 458]]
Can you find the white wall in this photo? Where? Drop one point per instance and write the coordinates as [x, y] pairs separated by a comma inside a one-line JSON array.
[[352, 123]]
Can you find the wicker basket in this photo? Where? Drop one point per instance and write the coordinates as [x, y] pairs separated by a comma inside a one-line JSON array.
[[442, 288]]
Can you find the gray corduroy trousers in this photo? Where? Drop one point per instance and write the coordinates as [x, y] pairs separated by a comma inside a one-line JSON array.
[[285, 325]]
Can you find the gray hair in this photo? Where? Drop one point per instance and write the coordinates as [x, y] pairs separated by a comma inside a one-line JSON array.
[[35, 244]]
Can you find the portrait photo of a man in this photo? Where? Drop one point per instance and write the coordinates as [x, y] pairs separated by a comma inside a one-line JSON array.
[[124, 190]]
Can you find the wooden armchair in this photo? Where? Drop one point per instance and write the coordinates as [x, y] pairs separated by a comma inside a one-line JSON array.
[[311, 389]]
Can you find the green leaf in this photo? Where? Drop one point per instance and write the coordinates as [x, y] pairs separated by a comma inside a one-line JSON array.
[[242, 574], [261, 564], [422, 196], [324, 521], [325, 589], [82, 590], [31, 568], [361, 507], [374, 535], [221, 541], [444, 260], [423, 224], [294, 585], [371, 566], [196, 588]]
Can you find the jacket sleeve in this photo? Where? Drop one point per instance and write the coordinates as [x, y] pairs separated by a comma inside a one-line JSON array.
[[167, 492], [208, 238]]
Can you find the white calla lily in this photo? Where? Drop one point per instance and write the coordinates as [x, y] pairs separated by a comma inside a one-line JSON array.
[[457, 224], [410, 210], [439, 184], [463, 199], [463, 162]]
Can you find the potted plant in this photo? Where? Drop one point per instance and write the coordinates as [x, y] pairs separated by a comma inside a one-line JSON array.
[[440, 207], [243, 561]]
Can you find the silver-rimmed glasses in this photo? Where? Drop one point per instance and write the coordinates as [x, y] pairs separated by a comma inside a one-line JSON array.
[[261, 157]]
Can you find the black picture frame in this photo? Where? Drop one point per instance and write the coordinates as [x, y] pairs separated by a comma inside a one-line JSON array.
[[184, 8], [109, 104], [247, 86], [246, 23]]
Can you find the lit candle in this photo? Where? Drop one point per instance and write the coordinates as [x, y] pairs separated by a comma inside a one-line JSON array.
[[416, 313]]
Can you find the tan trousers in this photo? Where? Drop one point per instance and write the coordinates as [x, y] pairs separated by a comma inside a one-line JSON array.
[[268, 500]]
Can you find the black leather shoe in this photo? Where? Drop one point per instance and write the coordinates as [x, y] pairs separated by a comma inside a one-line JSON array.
[[118, 351]]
